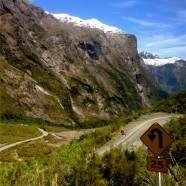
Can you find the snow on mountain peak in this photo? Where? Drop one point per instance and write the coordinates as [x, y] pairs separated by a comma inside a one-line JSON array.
[[148, 55], [161, 61], [92, 23], [153, 59]]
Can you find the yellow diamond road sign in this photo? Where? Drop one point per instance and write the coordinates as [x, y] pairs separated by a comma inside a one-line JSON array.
[[156, 139]]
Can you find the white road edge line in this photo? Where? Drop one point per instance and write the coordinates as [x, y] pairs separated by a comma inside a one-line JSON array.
[[135, 142], [136, 128]]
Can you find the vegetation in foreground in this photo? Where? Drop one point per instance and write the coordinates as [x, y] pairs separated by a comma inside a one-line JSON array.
[[78, 164]]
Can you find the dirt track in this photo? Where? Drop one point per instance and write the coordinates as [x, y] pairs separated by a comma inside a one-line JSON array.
[[44, 133], [133, 132]]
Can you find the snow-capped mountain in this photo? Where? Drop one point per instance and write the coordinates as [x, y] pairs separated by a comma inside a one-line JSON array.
[[153, 59], [148, 55], [161, 61], [169, 72], [91, 23]]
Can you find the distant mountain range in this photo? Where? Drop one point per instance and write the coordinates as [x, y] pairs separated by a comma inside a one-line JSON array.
[[170, 73]]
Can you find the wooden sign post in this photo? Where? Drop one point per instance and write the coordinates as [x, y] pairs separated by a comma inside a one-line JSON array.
[[157, 140]]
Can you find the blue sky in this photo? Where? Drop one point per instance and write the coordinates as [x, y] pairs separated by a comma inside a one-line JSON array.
[[159, 25]]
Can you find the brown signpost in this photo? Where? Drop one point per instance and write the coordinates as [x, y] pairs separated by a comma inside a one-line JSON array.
[[157, 164], [156, 139]]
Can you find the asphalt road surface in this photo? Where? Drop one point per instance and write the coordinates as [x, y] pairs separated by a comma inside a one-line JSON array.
[[134, 130]]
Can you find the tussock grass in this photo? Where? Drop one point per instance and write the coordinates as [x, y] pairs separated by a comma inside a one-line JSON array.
[[11, 133]]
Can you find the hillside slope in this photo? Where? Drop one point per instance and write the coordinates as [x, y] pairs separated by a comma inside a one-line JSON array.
[[64, 73], [173, 104]]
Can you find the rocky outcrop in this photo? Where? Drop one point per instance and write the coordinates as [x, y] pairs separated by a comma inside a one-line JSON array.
[[148, 55], [92, 50], [81, 72]]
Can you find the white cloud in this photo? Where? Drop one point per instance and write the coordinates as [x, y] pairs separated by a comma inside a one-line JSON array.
[[178, 51], [182, 14], [181, 17], [164, 45], [152, 15], [146, 23], [162, 40]]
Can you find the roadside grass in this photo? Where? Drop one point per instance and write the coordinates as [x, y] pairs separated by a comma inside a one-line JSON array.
[[77, 163], [175, 156], [11, 133], [34, 149], [25, 151]]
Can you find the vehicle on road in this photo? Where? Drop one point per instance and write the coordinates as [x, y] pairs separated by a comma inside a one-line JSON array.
[[123, 132]]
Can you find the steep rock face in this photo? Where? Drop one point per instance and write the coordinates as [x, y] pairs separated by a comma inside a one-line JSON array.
[[64, 73]]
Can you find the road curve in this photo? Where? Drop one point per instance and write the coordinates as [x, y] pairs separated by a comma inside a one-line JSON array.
[[44, 133], [134, 130]]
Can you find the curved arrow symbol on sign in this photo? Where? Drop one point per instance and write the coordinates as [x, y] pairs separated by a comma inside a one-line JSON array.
[[152, 136]]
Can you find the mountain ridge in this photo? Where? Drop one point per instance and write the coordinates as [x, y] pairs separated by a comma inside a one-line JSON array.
[[67, 74], [153, 59], [91, 23], [169, 72], [148, 55]]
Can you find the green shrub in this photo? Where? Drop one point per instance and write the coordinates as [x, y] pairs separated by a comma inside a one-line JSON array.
[[173, 104]]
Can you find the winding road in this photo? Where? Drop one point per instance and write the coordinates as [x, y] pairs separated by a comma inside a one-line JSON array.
[[134, 130], [44, 133]]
